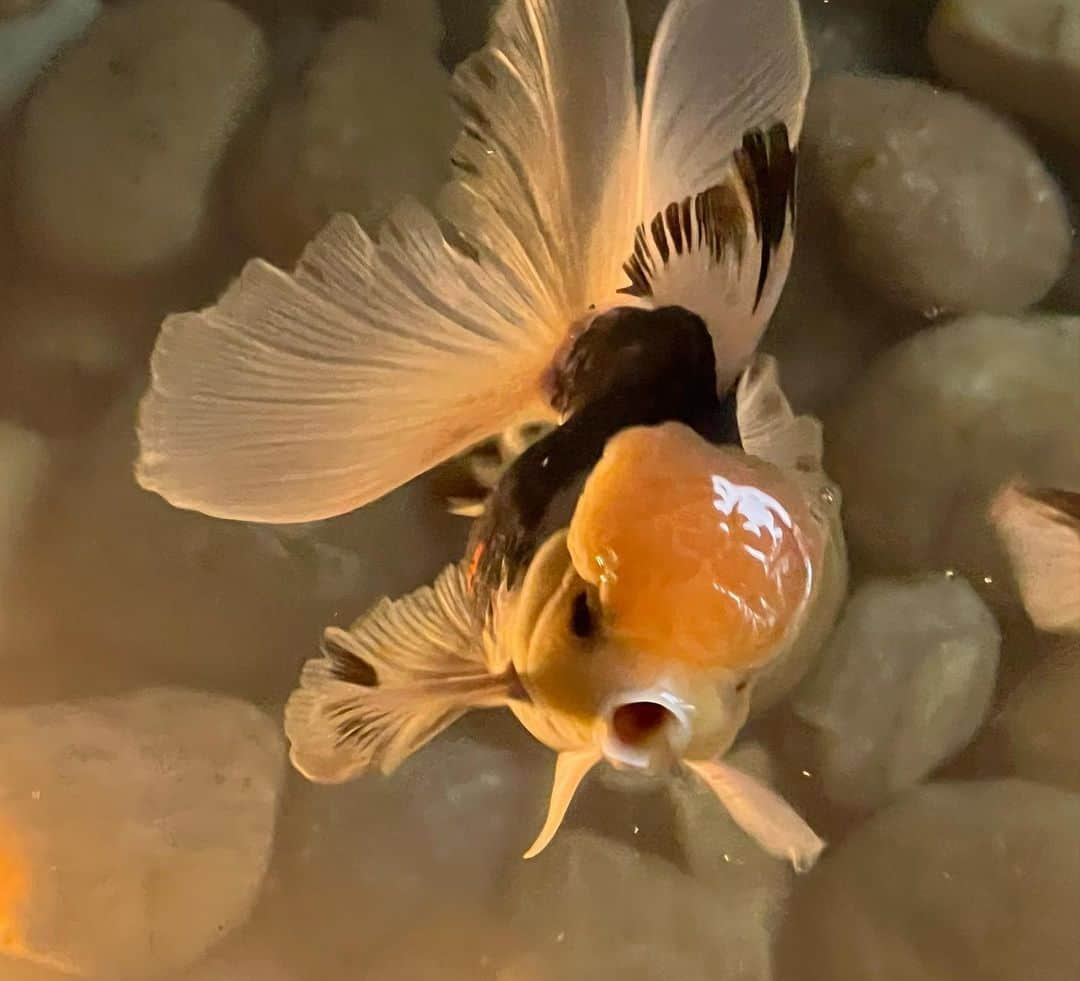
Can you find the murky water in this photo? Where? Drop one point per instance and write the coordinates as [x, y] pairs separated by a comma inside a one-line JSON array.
[[149, 823]]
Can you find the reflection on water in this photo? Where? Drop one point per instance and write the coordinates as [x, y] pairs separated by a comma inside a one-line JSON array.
[[149, 824]]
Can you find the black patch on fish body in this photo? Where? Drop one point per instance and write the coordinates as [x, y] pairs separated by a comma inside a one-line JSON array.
[[632, 367]]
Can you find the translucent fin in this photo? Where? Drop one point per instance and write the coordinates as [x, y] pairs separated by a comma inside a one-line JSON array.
[[768, 428], [298, 397], [762, 814], [547, 161], [570, 769], [302, 396], [1041, 532], [394, 680], [723, 110]]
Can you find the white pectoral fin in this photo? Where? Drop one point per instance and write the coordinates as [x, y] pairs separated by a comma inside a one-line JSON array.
[[390, 683], [723, 110], [571, 768], [1040, 529], [762, 814]]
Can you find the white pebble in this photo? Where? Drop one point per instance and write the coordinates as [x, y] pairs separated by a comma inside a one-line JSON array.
[[596, 909], [826, 328], [122, 142], [364, 862], [116, 570], [139, 826], [939, 423], [32, 39], [1035, 733], [905, 682], [941, 204], [341, 144], [1022, 56], [955, 880]]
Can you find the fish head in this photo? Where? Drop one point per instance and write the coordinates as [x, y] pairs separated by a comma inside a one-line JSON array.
[[641, 628], [589, 687]]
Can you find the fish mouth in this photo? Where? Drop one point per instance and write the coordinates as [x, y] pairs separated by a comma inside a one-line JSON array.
[[645, 731]]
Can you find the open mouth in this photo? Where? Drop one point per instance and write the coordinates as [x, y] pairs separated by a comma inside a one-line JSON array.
[[646, 732]]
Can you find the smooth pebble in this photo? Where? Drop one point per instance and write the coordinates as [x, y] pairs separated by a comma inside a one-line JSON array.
[[137, 828], [594, 908], [1035, 734], [925, 219], [927, 436], [32, 39], [904, 683], [954, 880], [337, 143], [122, 143], [1022, 56]]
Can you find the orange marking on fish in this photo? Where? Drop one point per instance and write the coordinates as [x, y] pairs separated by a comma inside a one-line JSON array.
[[474, 566]]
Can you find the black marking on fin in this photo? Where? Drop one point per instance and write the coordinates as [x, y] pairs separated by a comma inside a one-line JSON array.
[[715, 219], [712, 221], [347, 667], [767, 165]]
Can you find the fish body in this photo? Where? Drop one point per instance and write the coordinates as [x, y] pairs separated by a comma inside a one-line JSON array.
[[663, 561]]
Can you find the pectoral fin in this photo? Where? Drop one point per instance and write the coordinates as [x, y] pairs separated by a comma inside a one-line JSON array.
[[394, 680], [570, 770], [762, 814]]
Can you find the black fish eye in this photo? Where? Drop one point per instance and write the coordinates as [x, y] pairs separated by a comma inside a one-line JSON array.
[[581, 617]]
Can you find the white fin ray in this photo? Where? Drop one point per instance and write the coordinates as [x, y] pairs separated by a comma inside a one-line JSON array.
[[395, 679], [769, 428], [571, 767], [761, 813], [548, 157], [717, 215], [1041, 533], [299, 397]]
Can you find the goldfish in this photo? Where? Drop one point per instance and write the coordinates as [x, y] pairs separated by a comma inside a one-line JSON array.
[[1040, 529], [663, 561]]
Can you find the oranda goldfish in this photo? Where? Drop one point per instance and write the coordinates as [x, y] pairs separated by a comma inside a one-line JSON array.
[[665, 560]]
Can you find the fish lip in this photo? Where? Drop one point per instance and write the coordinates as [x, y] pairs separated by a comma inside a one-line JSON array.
[[658, 754]]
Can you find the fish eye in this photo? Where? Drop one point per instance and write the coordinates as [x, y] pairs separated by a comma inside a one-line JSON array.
[[581, 617], [741, 686]]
